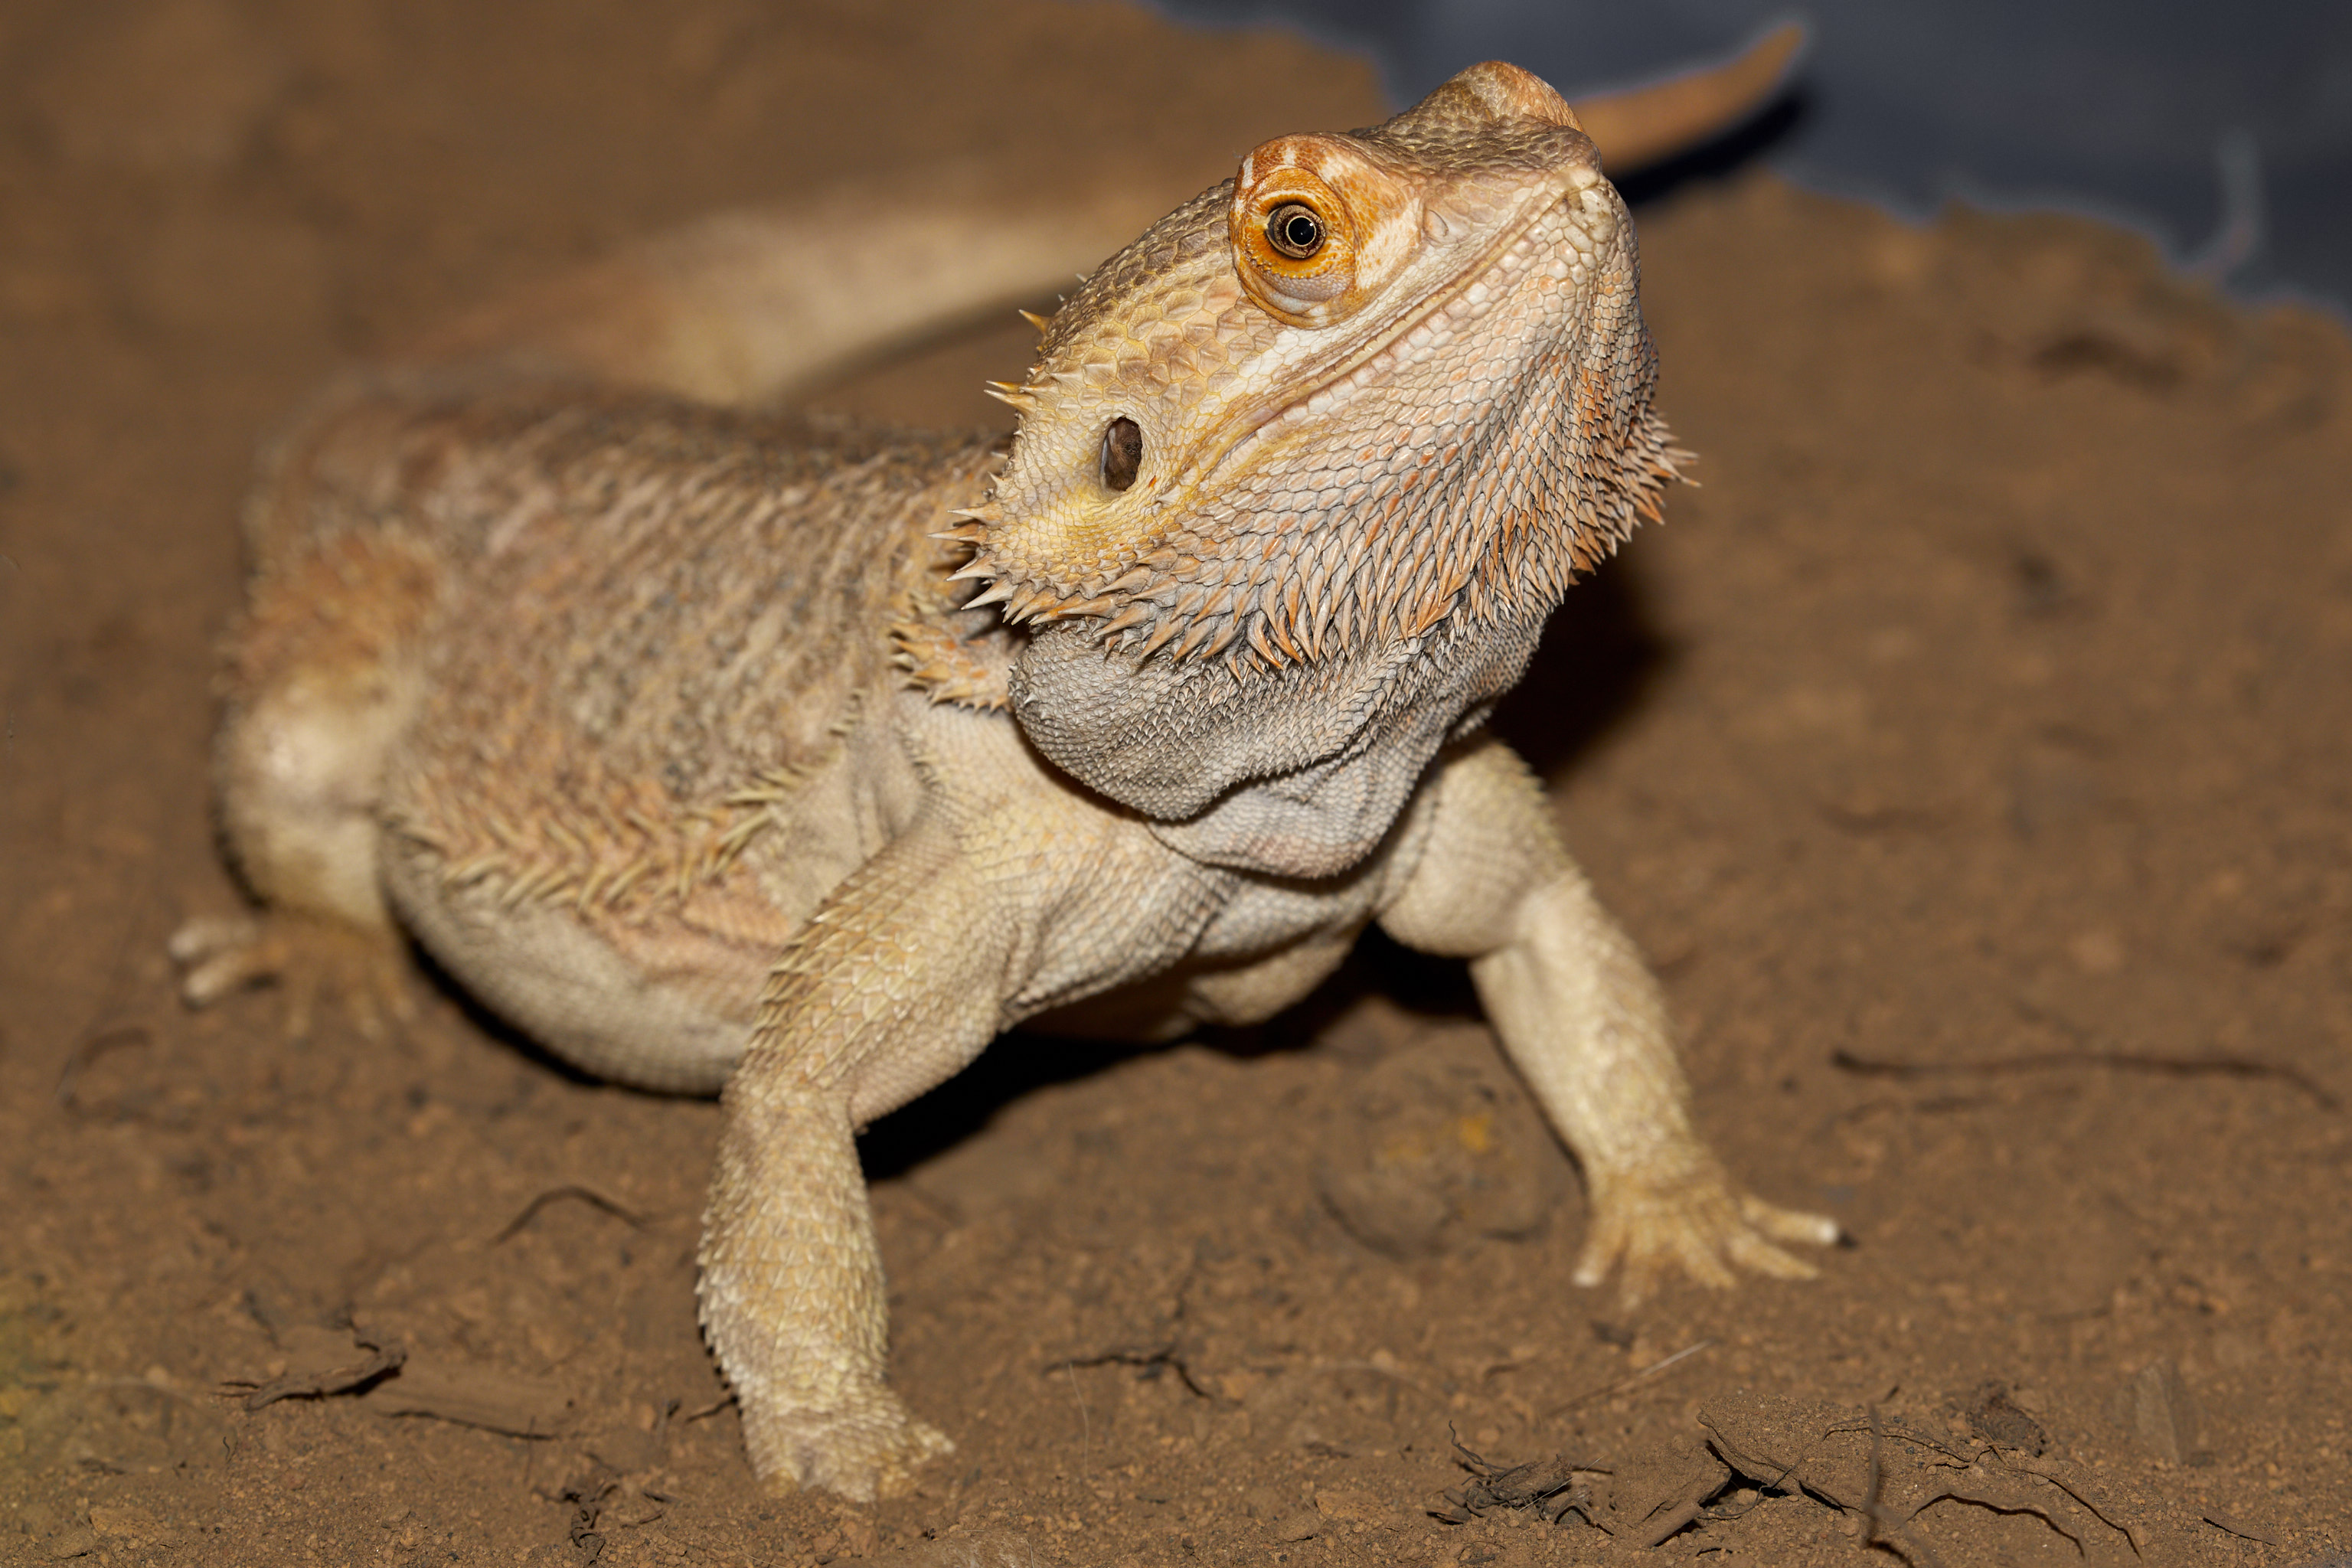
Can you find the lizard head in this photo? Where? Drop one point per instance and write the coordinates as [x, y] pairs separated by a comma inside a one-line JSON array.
[[1301, 472]]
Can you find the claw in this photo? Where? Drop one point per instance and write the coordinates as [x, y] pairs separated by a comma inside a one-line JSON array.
[[1697, 1225], [1789, 1224], [220, 954]]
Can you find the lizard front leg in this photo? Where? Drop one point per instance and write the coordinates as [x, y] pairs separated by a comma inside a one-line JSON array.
[[892, 987], [1582, 1019]]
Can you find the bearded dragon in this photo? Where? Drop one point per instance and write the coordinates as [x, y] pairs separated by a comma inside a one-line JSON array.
[[722, 753]]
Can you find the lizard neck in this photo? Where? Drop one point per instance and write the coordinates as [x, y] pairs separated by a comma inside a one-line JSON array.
[[1296, 772]]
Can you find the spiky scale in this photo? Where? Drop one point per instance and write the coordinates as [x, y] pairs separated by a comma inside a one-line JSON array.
[[1163, 631], [1196, 636], [1280, 632], [1134, 615]]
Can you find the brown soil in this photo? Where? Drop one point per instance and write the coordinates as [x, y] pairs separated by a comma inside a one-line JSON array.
[[1973, 753]]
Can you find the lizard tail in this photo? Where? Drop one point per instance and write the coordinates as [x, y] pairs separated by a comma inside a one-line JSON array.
[[1646, 124], [758, 304]]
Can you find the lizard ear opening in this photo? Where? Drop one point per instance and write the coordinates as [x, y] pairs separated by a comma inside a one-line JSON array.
[[1122, 453], [1317, 227]]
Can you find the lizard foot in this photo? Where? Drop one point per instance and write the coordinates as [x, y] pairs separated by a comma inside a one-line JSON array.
[[1698, 1224], [362, 970], [867, 1449]]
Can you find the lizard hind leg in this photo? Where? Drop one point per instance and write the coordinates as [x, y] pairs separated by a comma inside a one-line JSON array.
[[322, 676]]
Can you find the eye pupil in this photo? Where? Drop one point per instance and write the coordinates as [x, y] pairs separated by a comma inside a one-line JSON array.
[[1122, 453], [1295, 230]]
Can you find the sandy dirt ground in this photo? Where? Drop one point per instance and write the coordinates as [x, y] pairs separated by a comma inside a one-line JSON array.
[[1972, 754]]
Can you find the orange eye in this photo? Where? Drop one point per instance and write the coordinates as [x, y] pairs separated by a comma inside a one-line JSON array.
[[1296, 229], [1315, 226]]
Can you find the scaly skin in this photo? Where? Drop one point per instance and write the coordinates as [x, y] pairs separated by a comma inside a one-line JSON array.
[[716, 750]]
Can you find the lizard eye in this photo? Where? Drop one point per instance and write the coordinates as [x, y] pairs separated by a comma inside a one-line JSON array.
[[1122, 453], [1295, 230], [1317, 227]]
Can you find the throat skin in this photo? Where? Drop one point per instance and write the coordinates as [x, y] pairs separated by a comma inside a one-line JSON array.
[[1297, 773]]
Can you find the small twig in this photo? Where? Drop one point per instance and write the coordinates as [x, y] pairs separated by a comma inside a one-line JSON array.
[[2127, 1061], [593, 1199], [1086, 1425], [2222, 1521], [1870, 1487], [1676, 1513], [2096, 1512], [1909, 1434], [1874, 1514], [1546, 1487], [713, 1408], [1628, 1381], [1155, 1356], [378, 1361]]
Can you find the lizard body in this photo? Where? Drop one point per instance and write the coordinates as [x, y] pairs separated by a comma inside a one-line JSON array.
[[717, 749]]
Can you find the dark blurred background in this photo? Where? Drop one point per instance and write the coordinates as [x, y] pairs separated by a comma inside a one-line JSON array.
[[2224, 131]]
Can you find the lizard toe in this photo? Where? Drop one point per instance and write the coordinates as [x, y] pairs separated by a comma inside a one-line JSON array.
[[1699, 1227], [1789, 1224], [313, 960]]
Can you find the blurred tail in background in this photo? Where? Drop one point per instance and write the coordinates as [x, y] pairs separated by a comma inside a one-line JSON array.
[[760, 304], [1645, 125]]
